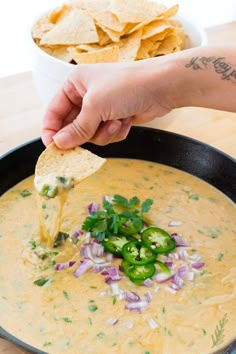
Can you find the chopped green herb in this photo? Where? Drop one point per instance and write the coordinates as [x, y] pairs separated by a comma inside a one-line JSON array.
[[114, 300], [66, 319], [193, 250], [163, 310], [204, 332], [50, 264], [93, 287], [90, 321], [203, 272], [92, 308], [62, 179], [147, 353], [167, 331], [123, 202], [91, 301], [60, 239], [101, 335], [46, 216], [65, 293], [215, 232], [146, 205], [194, 197], [47, 344], [33, 244], [220, 256], [218, 336], [200, 231], [25, 193], [44, 206], [114, 344], [104, 223], [41, 281]]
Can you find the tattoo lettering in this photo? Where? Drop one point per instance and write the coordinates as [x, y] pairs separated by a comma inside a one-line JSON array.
[[219, 65]]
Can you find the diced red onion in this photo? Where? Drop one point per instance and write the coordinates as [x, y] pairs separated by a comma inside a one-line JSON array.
[[129, 325], [107, 198], [84, 266], [152, 323], [178, 281], [87, 237], [195, 257], [92, 207], [191, 276], [148, 296], [169, 264], [115, 288], [112, 321], [182, 254], [131, 296], [92, 250], [147, 282], [175, 223], [99, 267], [162, 277], [65, 265], [77, 233], [109, 257], [183, 270], [112, 272], [170, 289], [179, 240], [136, 305], [197, 265]]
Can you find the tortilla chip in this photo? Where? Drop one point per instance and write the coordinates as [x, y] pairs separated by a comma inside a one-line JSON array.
[[104, 55], [154, 27], [42, 26], [169, 45], [113, 35], [87, 47], [103, 36], [77, 163], [146, 46], [99, 10], [59, 52], [129, 46], [77, 27], [56, 15], [133, 11]]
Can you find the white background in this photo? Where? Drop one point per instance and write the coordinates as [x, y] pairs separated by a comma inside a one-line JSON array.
[[17, 16]]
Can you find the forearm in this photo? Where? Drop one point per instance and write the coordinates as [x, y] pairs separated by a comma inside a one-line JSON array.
[[204, 77]]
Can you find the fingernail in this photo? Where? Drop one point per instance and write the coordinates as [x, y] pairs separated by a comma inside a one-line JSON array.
[[62, 140], [113, 127]]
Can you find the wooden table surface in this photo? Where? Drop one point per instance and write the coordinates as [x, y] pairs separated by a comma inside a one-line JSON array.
[[21, 113]]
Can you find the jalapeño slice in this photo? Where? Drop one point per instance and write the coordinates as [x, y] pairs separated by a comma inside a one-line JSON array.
[[114, 243], [138, 274], [158, 240], [130, 226], [137, 254]]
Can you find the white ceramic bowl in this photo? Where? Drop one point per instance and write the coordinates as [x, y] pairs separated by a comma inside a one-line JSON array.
[[49, 73]]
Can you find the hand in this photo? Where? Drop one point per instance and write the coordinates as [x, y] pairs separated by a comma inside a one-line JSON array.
[[100, 102]]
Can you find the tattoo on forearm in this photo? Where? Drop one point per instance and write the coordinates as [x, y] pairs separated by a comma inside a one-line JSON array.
[[218, 64]]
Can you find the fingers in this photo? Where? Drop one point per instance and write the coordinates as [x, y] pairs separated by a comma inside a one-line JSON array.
[[64, 107], [112, 131]]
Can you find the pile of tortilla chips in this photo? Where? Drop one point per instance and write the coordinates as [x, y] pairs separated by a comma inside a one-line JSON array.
[[96, 31]]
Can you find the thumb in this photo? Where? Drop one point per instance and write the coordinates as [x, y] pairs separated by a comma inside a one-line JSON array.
[[77, 132]]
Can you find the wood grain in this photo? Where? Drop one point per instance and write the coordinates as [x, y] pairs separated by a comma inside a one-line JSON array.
[[21, 115]]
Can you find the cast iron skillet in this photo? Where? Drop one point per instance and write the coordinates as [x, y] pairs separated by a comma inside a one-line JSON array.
[[175, 150]]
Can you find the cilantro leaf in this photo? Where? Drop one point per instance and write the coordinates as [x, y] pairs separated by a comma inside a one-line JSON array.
[[119, 200], [146, 205]]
